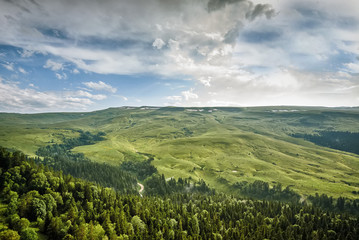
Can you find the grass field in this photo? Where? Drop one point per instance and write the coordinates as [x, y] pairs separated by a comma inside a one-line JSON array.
[[220, 145]]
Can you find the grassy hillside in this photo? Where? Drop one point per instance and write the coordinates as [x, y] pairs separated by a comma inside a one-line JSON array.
[[220, 145]]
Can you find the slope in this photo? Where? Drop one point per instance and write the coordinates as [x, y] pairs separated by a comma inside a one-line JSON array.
[[220, 145]]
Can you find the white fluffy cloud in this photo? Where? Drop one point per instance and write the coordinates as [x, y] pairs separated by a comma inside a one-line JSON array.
[[54, 66], [22, 70], [188, 95], [89, 95], [100, 86], [353, 67], [16, 99], [158, 43], [174, 98], [61, 76]]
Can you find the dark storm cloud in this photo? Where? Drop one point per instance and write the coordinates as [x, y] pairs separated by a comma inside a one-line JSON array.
[[259, 10], [214, 5], [232, 35], [254, 11]]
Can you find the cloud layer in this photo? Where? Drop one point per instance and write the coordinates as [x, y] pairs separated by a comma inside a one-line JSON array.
[[236, 52]]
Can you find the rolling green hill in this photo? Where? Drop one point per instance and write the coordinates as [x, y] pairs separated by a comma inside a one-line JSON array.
[[220, 145]]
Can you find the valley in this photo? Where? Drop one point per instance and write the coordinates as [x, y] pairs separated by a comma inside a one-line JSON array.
[[219, 145]]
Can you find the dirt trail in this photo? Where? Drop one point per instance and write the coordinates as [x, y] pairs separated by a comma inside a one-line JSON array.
[[142, 187]]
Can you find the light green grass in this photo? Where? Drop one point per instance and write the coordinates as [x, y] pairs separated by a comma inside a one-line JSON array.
[[221, 147]]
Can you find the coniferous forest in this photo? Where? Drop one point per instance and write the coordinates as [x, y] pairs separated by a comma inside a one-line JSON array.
[[345, 141], [39, 202]]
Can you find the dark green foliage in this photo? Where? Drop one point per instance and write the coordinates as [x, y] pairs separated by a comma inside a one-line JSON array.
[[104, 174], [338, 205], [62, 151], [76, 209], [158, 185], [344, 141], [29, 234], [141, 169], [261, 190], [10, 159], [60, 157], [38, 208]]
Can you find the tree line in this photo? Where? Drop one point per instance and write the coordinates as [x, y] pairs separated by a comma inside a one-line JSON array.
[[261, 190], [61, 158], [344, 141]]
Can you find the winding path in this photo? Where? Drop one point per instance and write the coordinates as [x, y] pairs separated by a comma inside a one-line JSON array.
[[142, 187]]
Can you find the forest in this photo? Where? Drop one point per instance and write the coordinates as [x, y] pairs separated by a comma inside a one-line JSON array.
[[344, 141], [40, 202]]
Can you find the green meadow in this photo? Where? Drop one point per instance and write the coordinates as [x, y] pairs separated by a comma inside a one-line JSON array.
[[220, 145]]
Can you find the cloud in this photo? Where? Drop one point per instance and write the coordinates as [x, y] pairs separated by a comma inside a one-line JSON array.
[[214, 5], [174, 98], [206, 81], [8, 66], [261, 9], [173, 45], [61, 76], [100, 61], [353, 67], [16, 99], [254, 10], [54, 66], [281, 87], [82, 93], [188, 95], [25, 53], [234, 51], [22, 70], [261, 36], [122, 97], [100, 86], [113, 40], [158, 43]]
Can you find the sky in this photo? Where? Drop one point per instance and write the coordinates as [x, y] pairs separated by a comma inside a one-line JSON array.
[[84, 55]]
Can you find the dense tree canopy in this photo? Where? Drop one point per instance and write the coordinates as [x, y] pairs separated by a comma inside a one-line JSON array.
[[63, 207], [344, 141]]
